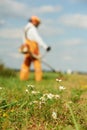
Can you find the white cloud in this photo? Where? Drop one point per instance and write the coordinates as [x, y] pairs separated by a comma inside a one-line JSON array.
[[75, 20], [49, 9], [10, 33], [67, 58], [78, 1], [2, 22], [74, 41], [15, 55], [82, 0], [48, 30], [12, 8]]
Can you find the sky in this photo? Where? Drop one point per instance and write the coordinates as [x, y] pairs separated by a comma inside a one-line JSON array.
[[63, 27]]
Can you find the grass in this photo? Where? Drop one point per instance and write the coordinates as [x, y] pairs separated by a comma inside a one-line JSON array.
[[47, 105]]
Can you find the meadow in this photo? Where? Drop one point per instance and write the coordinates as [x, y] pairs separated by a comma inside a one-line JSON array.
[[58, 102]]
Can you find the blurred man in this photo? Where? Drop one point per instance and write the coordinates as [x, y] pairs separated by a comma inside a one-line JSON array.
[[32, 42]]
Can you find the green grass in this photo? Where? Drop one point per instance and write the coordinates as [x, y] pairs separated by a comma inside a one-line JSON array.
[[31, 105]]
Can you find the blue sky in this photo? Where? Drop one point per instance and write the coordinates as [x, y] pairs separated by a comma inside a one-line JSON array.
[[64, 28]]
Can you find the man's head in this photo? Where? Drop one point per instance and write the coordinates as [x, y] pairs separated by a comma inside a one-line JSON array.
[[35, 21]]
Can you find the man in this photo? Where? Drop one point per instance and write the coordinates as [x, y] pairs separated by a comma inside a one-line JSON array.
[[33, 41]]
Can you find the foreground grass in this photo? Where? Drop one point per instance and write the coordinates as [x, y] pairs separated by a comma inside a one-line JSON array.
[[51, 104]]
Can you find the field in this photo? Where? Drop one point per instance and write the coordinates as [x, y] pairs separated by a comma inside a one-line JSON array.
[[58, 102]]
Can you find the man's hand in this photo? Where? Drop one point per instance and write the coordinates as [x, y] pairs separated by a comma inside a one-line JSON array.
[[48, 48]]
